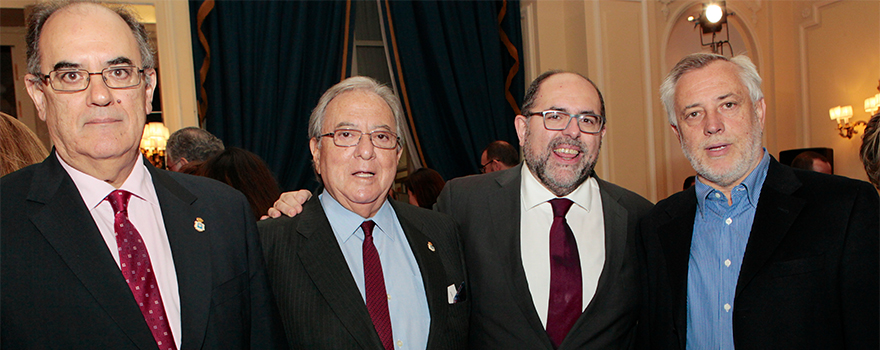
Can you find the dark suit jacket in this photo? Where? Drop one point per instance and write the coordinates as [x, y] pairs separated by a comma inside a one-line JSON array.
[[487, 208], [319, 301], [61, 288], [809, 277]]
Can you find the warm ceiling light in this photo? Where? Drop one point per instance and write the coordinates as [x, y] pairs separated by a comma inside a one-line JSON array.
[[714, 13]]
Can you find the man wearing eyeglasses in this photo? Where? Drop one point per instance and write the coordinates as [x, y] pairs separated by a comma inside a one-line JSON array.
[[550, 258], [100, 249], [355, 270], [498, 155]]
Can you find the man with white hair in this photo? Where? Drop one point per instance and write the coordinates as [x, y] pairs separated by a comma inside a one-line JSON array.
[[756, 255]]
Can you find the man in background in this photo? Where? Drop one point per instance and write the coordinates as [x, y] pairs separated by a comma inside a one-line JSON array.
[[190, 144], [498, 155], [99, 249], [549, 246], [756, 255], [812, 161]]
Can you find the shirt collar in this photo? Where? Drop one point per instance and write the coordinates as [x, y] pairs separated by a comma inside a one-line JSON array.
[[534, 193], [752, 184], [346, 223], [93, 190]]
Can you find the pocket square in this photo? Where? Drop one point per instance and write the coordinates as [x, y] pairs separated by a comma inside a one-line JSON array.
[[456, 295]]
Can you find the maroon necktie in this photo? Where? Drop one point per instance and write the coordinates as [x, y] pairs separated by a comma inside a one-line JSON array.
[[374, 285], [138, 271], [566, 287]]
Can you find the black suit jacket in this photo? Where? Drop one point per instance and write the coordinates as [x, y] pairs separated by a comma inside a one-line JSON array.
[[319, 301], [62, 289], [809, 277], [503, 316]]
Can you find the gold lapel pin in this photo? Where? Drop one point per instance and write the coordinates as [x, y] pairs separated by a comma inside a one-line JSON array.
[[431, 246], [199, 225]]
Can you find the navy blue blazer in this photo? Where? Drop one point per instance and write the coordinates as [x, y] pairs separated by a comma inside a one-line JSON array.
[[809, 277], [61, 287]]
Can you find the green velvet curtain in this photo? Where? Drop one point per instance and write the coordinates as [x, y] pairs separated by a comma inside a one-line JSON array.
[[268, 62], [457, 65]]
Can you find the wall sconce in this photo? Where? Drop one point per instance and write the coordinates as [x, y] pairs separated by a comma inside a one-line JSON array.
[[711, 20], [153, 143], [842, 115]]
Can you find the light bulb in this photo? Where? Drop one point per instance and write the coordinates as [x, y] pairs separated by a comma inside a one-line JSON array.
[[713, 13]]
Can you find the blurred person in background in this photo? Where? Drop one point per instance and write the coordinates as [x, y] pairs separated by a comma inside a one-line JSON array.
[[19, 146], [498, 155], [423, 186], [245, 172], [190, 144]]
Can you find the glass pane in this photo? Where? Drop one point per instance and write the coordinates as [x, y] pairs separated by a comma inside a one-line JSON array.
[[371, 62], [367, 20]]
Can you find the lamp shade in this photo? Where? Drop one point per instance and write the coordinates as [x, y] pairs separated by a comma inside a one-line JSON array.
[[155, 136], [872, 103]]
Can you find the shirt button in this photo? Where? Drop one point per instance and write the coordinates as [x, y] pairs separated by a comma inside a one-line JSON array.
[[717, 195], [727, 262], [727, 307], [728, 221], [389, 296], [399, 343]]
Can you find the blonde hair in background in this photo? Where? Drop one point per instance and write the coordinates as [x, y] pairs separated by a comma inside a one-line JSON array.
[[19, 146]]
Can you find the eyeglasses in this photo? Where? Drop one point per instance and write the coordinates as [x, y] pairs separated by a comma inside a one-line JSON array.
[[74, 80], [559, 120], [483, 166], [351, 137]]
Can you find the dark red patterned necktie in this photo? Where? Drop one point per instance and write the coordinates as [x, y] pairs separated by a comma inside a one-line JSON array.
[[566, 286], [138, 271], [374, 286]]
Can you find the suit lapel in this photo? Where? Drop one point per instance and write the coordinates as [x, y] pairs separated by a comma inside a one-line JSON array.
[[68, 226], [324, 262], [433, 273], [775, 214], [505, 214], [191, 254], [675, 237]]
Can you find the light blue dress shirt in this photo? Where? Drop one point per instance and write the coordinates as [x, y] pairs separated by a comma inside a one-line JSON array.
[[720, 235], [407, 301]]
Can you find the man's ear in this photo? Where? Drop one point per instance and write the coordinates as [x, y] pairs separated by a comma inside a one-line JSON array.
[[521, 123], [150, 82], [35, 88], [675, 131], [315, 148]]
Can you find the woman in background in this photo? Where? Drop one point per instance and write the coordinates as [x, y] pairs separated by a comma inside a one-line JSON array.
[[19, 146], [245, 172], [423, 186]]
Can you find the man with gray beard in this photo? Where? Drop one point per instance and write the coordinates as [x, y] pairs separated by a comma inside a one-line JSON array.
[[756, 255], [550, 247]]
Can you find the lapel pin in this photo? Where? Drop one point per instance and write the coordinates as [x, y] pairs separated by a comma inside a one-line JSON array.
[[199, 224], [431, 246]]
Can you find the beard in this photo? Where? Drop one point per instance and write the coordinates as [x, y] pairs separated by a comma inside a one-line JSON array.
[[724, 178], [561, 179]]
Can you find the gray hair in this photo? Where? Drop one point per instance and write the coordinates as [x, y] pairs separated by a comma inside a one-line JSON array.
[[535, 85], [316, 120], [43, 10], [748, 75], [193, 143]]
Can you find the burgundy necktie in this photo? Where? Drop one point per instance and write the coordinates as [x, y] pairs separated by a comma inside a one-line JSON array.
[[374, 285], [566, 287], [138, 271]]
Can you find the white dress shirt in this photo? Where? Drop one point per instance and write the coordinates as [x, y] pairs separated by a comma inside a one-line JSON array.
[[146, 216], [586, 221]]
